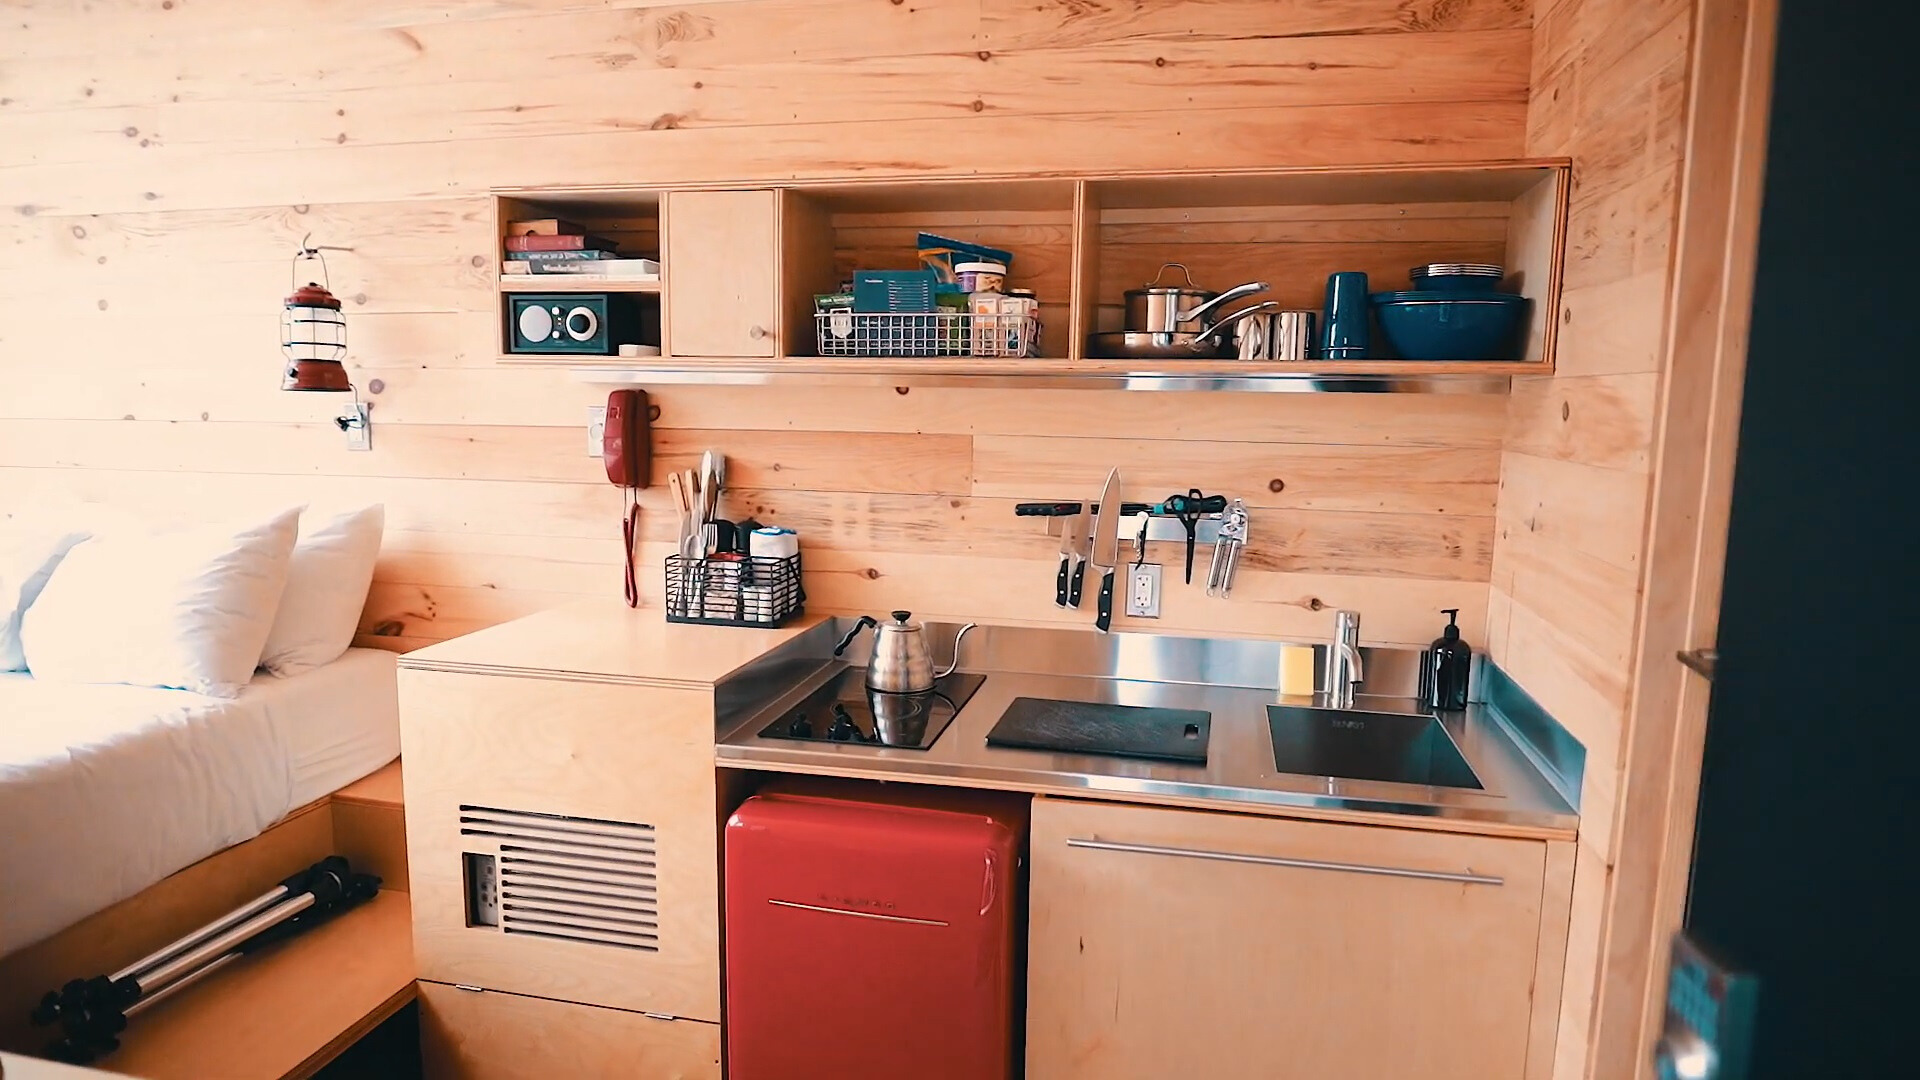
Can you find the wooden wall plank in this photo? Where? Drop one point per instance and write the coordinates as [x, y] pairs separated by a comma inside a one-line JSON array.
[[166, 171]]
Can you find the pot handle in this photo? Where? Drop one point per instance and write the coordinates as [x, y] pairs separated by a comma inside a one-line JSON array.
[[1234, 293], [865, 621], [1211, 332], [1164, 267]]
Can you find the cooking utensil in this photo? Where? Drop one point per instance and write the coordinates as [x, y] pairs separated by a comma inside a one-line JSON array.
[[1157, 308], [902, 662], [1106, 548], [1254, 337], [1064, 579], [1226, 550], [1439, 325], [1082, 543], [1290, 336], [1133, 345], [1188, 508]]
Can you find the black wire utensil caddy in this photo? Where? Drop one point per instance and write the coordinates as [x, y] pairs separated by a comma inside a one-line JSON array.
[[734, 590]]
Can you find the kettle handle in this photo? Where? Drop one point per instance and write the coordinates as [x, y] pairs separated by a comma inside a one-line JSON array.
[[957, 639], [865, 621]]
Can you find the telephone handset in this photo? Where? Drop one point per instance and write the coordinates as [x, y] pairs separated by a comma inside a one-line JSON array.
[[626, 450], [624, 444]]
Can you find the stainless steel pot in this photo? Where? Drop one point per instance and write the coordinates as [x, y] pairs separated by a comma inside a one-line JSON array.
[[1208, 344], [1165, 309], [902, 662]]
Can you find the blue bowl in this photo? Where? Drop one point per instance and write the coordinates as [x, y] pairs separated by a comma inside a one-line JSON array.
[[1434, 325]]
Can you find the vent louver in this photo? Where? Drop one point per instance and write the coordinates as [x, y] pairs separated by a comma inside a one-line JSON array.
[[572, 878]]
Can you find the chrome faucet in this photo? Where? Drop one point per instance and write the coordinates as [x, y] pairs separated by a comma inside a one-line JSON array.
[[1344, 668]]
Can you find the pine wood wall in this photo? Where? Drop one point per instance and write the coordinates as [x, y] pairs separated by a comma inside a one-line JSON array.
[[160, 160], [1610, 83]]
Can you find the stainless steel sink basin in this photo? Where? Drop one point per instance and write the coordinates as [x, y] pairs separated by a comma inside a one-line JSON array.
[[1356, 744]]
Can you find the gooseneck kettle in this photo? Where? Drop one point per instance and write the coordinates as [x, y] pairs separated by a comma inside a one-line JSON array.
[[902, 662]]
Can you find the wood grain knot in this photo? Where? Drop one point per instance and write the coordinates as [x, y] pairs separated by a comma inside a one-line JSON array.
[[130, 131], [870, 574], [1276, 485], [79, 232], [902, 390], [979, 106], [984, 55], [1314, 604], [376, 386], [1566, 411]]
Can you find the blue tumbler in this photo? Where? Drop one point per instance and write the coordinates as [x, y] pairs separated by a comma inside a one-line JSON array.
[[1345, 320]]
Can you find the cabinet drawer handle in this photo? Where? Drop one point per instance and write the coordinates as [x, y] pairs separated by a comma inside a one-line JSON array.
[[756, 333], [1298, 864]]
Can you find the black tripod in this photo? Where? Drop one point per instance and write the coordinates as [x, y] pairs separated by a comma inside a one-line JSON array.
[[91, 1013]]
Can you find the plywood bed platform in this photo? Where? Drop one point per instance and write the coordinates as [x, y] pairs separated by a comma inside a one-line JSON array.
[[283, 1013]]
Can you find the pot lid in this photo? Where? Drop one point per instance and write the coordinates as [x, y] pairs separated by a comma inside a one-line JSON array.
[[312, 295]]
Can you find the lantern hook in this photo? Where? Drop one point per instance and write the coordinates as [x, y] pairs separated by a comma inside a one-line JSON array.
[[310, 250]]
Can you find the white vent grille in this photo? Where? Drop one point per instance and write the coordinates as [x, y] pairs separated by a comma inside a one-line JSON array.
[[577, 879]]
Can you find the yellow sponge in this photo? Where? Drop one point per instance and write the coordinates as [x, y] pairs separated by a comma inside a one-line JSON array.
[[1296, 669]]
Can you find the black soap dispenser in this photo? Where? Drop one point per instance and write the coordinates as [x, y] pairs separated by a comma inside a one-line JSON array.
[[1448, 662]]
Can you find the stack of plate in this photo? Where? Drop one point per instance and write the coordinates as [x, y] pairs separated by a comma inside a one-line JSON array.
[[1457, 277]]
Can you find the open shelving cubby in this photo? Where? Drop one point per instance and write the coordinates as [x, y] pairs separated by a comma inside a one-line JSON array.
[[1080, 242], [629, 218]]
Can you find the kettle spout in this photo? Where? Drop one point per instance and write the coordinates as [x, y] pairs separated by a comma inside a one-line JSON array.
[[957, 639]]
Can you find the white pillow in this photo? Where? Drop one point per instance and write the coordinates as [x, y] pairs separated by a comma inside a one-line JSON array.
[[327, 584], [27, 559], [188, 609]]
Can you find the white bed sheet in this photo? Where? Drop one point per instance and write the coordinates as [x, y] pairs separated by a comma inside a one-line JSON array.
[[105, 790]]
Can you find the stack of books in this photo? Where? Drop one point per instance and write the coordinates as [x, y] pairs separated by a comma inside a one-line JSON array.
[[554, 246]]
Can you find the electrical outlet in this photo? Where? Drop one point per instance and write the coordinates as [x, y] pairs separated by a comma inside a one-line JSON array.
[[596, 428], [1143, 591]]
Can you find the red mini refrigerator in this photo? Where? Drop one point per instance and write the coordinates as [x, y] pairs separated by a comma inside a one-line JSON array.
[[873, 932]]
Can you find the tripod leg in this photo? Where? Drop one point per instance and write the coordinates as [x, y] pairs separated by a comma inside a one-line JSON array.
[[232, 918], [172, 988], [187, 962]]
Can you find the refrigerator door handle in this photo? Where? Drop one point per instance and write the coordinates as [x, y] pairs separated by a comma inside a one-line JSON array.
[[859, 914]]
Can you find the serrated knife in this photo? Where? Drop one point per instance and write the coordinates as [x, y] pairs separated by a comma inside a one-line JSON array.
[[1073, 559], [1106, 548]]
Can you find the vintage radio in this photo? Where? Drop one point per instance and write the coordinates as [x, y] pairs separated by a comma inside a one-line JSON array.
[[595, 324]]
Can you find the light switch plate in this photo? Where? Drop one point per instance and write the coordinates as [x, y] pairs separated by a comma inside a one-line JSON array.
[[1143, 591], [596, 428]]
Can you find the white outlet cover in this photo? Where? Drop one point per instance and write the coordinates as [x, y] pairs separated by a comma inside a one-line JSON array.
[[1143, 591], [596, 428]]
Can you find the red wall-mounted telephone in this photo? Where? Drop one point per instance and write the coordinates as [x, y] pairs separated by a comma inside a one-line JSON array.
[[626, 448], [625, 444]]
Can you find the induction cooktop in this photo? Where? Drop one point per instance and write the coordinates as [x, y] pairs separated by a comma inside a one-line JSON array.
[[843, 710]]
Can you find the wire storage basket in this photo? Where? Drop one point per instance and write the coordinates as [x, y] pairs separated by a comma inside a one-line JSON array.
[[860, 333], [734, 590]]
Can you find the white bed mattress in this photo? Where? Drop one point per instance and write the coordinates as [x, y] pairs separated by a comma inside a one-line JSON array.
[[105, 790]]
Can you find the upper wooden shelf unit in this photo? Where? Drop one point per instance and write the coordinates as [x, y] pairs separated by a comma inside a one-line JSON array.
[[741, 265]]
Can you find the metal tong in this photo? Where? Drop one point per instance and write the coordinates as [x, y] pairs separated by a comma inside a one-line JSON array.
[[1226, 550]]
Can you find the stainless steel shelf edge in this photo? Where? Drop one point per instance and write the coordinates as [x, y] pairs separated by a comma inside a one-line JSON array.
[[1288, 383]]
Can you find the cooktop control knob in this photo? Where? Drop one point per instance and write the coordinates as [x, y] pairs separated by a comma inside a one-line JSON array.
[[800, 727]]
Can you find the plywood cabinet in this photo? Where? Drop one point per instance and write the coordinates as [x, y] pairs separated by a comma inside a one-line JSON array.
[[486, 1035], [1180, 943], [721, 257], [561, 839]]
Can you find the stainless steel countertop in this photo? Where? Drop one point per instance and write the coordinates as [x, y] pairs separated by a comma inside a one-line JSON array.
[[1239, 774]]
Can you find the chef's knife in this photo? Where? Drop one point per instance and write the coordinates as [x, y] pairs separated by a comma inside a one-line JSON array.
[[1106, 549], [1082, 541]]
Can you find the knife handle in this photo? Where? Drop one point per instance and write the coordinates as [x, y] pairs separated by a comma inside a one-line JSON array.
[[1105, 619], [1043, 509], [1079, 579], [1060, 583]]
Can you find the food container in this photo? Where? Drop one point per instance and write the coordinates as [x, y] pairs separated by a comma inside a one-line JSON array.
[[981, 277]]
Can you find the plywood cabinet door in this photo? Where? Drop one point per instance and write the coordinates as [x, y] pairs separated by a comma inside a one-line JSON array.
[[721, 267], [1181, 943], [475, 1035], [582, 815]]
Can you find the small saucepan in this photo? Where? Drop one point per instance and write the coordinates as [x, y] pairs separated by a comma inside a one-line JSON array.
[[1169, 309], [1208, 344]]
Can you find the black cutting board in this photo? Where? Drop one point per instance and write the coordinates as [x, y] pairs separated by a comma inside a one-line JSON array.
[[1085, 727]]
